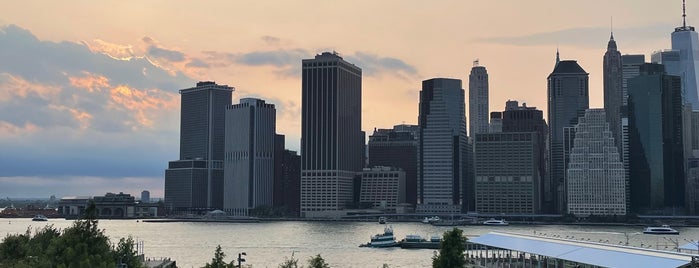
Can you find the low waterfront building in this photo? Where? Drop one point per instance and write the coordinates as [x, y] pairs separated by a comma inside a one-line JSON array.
[[115, 206], [72, 206], [382, 187]]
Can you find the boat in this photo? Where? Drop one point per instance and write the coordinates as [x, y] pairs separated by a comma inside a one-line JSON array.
[[661, 230], [384, 240], [495, 222], [40, 217], [382, 220], [417, 241], [431, 220], [426, 220]]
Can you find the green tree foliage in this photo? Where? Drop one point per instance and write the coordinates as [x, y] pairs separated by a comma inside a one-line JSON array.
[[290, 263], [451, 253], [81, 245], [317, 262], [217, 261]]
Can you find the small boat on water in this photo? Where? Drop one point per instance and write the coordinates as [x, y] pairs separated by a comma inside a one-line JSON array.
[[661, 230], [382, 220], [40, 217], [431, 219], [494, 222], [417, 241], [384, 240]]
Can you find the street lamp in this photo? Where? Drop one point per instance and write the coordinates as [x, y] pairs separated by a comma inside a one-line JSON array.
[[240, 258]]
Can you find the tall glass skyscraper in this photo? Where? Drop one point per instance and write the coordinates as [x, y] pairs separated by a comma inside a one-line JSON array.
[[478, 100], [613, 95], [332, 142], [568, 98], [443, 148], [655, 140], [196, 180], [686, 41], [249, 156]]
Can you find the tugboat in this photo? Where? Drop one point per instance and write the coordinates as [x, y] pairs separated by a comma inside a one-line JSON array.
[[661, 230], [40, 217], [384, 240]]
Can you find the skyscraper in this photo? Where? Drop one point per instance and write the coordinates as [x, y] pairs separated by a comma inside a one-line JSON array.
[[331, 137], [686, 41], [568, 98], [595, 179], [507, 173], [397, 147], [249, 156], [655, 140], [613, 95], [478, 100], [196, 180], [442, 151]]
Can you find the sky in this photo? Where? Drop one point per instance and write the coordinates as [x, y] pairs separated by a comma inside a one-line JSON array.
[[89, 98]]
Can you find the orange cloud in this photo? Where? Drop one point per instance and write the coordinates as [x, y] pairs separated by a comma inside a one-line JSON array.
[[83, 117], [16, 87], [8, 129], [115, 51], [90, 82], [144, 103]]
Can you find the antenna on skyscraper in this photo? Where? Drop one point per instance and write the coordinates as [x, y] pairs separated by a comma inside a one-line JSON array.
[[475, 63], [611, 26], [684, 15]]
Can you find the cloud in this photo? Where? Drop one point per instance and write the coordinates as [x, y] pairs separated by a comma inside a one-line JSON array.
[[270, 40], [374, 65], [197, 63], [167, 54], [585, 37], [83, 110]]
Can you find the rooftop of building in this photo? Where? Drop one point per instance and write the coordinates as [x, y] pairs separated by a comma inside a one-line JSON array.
[[568, 67], [591, 253]]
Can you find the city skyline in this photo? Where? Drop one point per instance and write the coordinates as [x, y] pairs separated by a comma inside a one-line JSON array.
[[92, 117]]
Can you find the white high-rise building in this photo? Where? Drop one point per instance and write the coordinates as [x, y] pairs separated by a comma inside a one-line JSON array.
[[595, 180], [249, 156], [686, 41], [478, 100]]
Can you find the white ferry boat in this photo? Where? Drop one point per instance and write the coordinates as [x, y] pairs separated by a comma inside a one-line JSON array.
[[40, 217], [382, 240], [495, 222], [661, 230]]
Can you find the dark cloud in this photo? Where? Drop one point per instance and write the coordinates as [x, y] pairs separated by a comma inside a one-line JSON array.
[[278, 58], [374, 65], [586, 37], [49, 62], [167, 54], [197, 63], [270, 40]]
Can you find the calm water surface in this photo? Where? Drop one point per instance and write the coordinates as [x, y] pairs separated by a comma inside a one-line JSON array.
[[268, 243]]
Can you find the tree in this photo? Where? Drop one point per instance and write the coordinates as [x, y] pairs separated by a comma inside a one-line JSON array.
[[289, 263], [217, 261], [125, 252], [451, 253], [317, 262]]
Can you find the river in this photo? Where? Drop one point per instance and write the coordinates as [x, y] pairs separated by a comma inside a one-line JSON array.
[[268, 243]]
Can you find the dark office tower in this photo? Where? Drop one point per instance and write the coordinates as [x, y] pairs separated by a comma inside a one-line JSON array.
[[517, 118], [655, 140], [397, 147], [331, 136], [443, 148], [287, 184], [478, 100], [495, 125], [630, 68], [196, 180], [279, 145], [613, 95], [568, 99]]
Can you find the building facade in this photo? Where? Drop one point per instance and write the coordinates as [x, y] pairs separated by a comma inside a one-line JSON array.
[[195, 182], [613, 95], [332, 141], [568, 98], [382, 187], [686, 41], [595, 180], [655, 140], [443, 148], [397, 147], [249, 156], [507, 176], [478, 100]]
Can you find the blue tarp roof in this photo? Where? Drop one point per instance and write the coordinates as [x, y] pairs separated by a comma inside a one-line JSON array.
[[587, 253]]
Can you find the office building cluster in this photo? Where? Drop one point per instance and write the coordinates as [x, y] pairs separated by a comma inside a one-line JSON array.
[[637, 154]]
